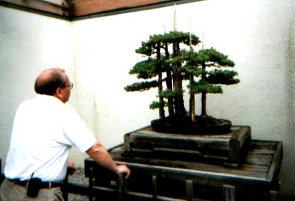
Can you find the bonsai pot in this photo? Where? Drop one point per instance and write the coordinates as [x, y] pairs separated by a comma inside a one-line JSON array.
[[203, 125]]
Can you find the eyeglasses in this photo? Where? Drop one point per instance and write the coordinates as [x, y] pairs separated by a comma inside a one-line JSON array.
[[71, 85]]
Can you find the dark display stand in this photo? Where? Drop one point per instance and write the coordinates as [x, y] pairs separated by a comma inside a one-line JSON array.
[[159, 173]]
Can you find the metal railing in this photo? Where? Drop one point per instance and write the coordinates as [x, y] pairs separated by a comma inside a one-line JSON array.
[[120, 193]]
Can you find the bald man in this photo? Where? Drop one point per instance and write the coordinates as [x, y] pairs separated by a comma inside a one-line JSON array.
[[44, 130]]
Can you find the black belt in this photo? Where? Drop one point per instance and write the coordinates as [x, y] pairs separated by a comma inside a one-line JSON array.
[[42, 184]]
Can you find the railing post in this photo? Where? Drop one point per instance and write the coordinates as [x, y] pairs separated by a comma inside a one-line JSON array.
[[121, 187], [1, 174], [189, 190], [90, 193], [65, 188], [229, 193], [273, 195], [274, 191], [154, 187]]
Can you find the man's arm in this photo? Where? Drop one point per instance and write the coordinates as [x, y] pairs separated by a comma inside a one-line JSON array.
[[98, 153]]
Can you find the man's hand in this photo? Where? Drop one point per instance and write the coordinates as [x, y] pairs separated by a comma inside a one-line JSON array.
[[71, 167], [124, 170], [103, 158]]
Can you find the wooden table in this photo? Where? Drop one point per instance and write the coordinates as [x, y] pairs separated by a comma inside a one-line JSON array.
[[173, 178]]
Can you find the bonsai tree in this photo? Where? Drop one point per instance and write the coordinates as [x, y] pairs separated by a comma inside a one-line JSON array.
[[171, 60]]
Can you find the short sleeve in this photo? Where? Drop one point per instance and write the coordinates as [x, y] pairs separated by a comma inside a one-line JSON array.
[[75, 131]]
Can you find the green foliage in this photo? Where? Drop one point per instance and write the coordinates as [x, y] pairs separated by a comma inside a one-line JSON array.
[[145, 49], [211, 57], [192, 70], [145, 69], [148, 48], [169, 93], [156, 104], [222, 77], [141, 86], [204, 87]]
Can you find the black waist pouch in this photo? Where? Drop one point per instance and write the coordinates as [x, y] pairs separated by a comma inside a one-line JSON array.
[[34, 185]]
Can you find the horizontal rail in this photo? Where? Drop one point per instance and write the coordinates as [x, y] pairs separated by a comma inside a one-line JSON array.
[[79, 189]]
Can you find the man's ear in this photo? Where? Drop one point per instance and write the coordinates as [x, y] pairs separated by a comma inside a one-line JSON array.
[[58, 93]]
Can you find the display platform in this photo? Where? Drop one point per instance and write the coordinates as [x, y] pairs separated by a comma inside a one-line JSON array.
[[164, 178], [228, 147]]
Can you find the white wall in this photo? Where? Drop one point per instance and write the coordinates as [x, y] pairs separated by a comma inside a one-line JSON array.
[[258, 35], [29, 43]]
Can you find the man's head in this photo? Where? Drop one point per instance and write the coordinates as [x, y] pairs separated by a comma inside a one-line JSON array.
[[54, 82]]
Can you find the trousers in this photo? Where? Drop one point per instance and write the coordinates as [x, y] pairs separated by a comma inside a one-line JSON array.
[[13, 192]]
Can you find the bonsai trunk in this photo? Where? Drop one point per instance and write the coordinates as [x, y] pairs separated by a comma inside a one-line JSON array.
[[179, 102], [192, 102], [169, 84], [203, 99], [161, 100], [170, 99], [160, 85]]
